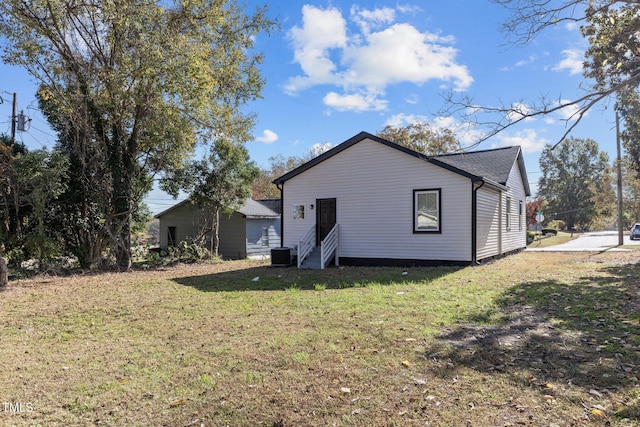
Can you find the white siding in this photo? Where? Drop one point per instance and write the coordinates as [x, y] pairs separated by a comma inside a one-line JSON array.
[[373, 186], [487, 223], [515, 237]]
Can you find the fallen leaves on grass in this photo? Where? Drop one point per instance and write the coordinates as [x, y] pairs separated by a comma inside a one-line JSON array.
[[178, 402], [599, 413]]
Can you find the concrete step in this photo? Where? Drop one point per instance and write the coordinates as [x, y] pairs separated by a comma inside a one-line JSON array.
[[312, 261]]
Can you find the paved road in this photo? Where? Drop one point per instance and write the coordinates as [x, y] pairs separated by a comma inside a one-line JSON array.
[[589, 242]]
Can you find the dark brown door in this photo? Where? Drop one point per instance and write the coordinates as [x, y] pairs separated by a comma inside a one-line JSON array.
[[325, 218]]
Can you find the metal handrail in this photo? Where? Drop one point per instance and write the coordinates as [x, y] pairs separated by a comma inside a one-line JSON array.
[[329, 246], [306, 245]]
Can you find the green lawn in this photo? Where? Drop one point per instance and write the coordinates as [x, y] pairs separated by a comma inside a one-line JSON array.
[[532, 339], [560, 238]]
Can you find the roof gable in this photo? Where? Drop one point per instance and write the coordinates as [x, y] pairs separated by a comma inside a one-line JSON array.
[[252, 209], [488, 165]]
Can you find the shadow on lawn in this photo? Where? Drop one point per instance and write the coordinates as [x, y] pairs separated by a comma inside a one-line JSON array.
[[279, 278], [585, 333]]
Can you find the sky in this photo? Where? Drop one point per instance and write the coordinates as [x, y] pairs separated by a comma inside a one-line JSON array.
[[336, 68]]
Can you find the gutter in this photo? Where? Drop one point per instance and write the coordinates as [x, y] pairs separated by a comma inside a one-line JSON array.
[[280, 186]]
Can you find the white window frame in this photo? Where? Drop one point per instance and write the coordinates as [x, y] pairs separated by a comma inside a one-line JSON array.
[[520, 214], [298, 212], [507, 213], [437, 213]]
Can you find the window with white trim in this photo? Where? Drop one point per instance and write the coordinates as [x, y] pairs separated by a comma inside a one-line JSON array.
[[507, 214], [520, 214], [298, 211], [426, 211]]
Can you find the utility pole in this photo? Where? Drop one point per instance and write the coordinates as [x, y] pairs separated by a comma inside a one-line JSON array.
[[13, 118], [620, 235]]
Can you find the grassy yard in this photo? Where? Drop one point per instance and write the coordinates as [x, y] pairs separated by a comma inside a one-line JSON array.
[[540, 339], [560, 238]]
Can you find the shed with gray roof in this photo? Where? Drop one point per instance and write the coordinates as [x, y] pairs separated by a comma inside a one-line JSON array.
[[250, 231]]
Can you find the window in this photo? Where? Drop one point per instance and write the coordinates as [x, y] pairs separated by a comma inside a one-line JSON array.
[[520, 214], [507, 214], [171, 237], [298, 211], [265, 236], [426, 211]]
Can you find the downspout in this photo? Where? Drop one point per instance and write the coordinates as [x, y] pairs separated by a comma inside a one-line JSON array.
[[474, 221], [281, 188]]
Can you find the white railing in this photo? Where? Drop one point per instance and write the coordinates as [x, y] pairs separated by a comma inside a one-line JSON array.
[[329, 246], [306, 245]]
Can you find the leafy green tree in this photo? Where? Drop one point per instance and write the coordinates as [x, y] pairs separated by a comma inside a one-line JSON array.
[[604, 199], [568, 172], [141, 80], [263, 187], [219, 182], [423, 138], [31, 182], [10, 210]]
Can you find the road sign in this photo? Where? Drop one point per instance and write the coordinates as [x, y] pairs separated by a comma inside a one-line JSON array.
[[539, 217]]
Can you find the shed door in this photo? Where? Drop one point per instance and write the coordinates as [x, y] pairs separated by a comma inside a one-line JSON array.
[[325, 218]]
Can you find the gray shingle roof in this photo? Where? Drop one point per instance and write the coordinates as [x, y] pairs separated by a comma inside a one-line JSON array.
[[253, 209], [256, 209], [493, 164]]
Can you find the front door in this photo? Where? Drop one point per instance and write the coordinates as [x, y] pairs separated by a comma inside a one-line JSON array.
[[325, 218]]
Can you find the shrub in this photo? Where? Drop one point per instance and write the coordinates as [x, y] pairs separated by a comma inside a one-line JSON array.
[[531, 236]]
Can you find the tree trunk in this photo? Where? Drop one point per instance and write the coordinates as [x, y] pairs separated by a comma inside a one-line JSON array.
[[122, 166], [4, 271], [216, 236]]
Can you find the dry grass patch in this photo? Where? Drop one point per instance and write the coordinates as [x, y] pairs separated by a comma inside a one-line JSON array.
[[532, 339]]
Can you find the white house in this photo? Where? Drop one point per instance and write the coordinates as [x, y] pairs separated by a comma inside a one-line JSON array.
[[249, 232], [374, 202]]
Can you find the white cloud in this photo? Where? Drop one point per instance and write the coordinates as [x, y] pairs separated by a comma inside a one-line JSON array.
[[527, 139], [376, 54], [572, 61], [321, 31], [570, 111], [354, 102], [401, 53], [268, 137], [316, 149], [368, 19], [521, 63], [412, 98], [519, 111]]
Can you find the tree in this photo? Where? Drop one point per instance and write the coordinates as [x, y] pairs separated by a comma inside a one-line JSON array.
[[565, 184], [140, 80], [263, 187], [423, 138], [628, 107], [31, 183], [610, 28], [630, 193], [604, 199], [533, 207], [221, 181]]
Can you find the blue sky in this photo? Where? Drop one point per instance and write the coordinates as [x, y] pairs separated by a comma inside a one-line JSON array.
[[339, 67]]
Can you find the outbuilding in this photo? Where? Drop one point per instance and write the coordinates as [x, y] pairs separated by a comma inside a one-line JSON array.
[[248, 232]]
